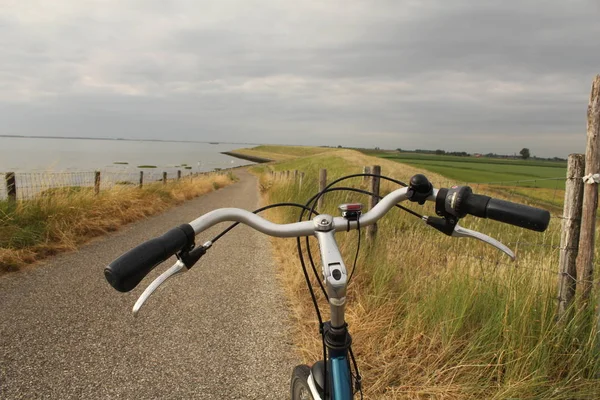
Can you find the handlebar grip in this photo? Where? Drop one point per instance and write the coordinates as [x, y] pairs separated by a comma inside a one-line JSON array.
[[521, 215], [516, 214], [127, 271]]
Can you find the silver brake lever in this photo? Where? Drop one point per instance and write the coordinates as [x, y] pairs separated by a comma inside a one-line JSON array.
[[459, 231], [177, 268]]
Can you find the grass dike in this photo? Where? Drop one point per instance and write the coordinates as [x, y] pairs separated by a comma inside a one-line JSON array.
[[62, 219], [435, 317]]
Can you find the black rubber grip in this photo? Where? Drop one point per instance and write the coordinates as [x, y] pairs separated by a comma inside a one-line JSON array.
[[520, 215], [127, 271]]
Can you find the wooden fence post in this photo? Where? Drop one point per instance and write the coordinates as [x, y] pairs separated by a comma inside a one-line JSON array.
[[141, 179], [164, 178], [375, 186], [178, 174], [569, 239], [585, 256], [97, 182], [301, 178], [11, 186], [295, 175], [366, 170], [322, 185]]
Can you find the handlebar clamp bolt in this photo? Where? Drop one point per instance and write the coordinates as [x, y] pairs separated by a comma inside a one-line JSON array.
[[323, 222]]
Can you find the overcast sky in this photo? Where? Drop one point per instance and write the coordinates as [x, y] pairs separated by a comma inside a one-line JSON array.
[[473, 75]]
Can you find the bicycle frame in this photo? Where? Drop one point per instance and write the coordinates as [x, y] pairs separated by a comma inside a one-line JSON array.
[[340, 378]]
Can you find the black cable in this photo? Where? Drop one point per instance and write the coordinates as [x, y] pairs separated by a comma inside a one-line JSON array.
[[358, 377], [312, 211], [314, 268], [305, 208], [310, 289], [357, 250], [316, 197], [309, 252], [314, 200]]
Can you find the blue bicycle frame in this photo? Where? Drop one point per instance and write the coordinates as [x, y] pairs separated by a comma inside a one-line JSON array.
[[340, 378]]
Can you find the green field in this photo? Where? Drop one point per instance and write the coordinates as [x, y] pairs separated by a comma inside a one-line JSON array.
[[472, 170], [435, 317]]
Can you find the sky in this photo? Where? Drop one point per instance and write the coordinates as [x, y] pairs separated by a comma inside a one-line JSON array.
[[460, 75]]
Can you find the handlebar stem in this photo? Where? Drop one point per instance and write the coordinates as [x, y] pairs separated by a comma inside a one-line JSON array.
[[335, 274]]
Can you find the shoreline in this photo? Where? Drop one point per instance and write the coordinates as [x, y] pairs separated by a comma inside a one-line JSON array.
[[258, 160]]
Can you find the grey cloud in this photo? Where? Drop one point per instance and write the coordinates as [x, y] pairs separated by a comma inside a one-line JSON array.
[[459, 75]]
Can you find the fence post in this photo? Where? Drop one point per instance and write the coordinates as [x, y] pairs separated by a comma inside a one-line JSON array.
[[373, 200], [141, 179], [301, 178], [569, 239], [366, 170], [11, 186], [322, 185], [97, 182], [178, 174], [585, 256], [295, 175], [164, 178]]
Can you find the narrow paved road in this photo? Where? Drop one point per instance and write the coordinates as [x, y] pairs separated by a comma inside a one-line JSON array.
[[216, 332]]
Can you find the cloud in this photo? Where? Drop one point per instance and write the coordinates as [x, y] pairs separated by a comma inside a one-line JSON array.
[[460, 75]]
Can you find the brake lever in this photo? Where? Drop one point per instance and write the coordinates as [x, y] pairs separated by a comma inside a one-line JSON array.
[[177, 268], [186, 260], [459, 231], [452, 228]]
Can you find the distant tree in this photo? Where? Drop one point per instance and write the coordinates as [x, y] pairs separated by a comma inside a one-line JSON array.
[[339, 146], [399, 149], [440, 152], [525, 153]]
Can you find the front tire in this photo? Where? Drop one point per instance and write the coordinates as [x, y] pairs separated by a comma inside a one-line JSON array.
[[299, 385]]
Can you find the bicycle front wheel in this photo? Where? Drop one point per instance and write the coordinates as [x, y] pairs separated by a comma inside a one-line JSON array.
[[299, 384]]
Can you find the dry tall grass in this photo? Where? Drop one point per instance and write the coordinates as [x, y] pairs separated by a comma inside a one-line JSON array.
[[62, 220], [438, 317]]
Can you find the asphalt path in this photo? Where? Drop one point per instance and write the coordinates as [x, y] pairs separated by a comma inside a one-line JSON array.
[[219, 331]]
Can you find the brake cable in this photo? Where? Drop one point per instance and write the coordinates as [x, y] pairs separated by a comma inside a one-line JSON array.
[[305, 208], [312, 211], [313, 200]]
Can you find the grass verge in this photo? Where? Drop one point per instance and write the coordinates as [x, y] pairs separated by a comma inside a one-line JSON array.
[[62, 219], [438, 317]]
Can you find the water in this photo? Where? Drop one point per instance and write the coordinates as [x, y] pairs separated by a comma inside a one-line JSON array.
[[43, 155], [42, 164]]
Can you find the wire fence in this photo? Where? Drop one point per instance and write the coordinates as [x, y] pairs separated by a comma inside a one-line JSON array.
[[537, 253], [29, 185]]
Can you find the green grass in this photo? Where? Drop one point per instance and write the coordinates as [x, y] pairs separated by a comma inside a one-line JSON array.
[[439, 317], [62, 218], [279, 153], [530, 173]]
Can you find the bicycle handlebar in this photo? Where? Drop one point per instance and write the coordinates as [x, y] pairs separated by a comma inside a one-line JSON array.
[[460, 200], [127, 271]]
